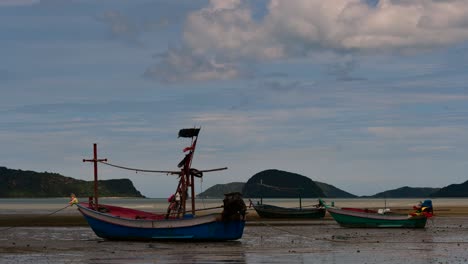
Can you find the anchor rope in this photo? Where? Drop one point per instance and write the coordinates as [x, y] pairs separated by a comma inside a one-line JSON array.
[[46, 215]]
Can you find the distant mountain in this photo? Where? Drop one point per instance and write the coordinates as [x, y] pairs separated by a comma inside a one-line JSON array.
[[453, 190], [30, 184], [406, 192], [331, 191], [218, 190], [281, 184]]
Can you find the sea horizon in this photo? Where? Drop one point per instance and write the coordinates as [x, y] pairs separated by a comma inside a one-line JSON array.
[[47, 205]]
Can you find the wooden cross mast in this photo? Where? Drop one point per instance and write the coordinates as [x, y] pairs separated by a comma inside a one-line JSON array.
[[95, 160]]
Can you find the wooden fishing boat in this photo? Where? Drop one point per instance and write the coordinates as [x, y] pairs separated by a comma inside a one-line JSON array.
[[178, 223], [357, 217], [271, 211]]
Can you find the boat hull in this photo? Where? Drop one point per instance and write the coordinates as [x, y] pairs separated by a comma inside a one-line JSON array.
[[270, 211], [348, 218], [209, 227]]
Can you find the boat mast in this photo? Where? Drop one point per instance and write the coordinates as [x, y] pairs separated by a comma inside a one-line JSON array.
[[192, 177], [187, 177], [95, 160]]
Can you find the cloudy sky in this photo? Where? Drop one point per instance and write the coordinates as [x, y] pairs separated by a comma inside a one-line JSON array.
[[367, 95]]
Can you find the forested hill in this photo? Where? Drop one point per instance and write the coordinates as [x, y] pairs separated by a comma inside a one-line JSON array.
[[406, 192], [331, 191], [453, 190], [281, 184], [277, 184], [30, 184], [218, 190]]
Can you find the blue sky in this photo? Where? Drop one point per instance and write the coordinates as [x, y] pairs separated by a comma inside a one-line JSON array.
[[365, 95]]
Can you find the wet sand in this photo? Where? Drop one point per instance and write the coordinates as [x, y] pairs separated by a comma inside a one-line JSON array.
[[445, 240]]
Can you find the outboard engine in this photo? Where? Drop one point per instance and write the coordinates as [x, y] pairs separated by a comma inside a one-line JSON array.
[[426, 208], [234, 207]]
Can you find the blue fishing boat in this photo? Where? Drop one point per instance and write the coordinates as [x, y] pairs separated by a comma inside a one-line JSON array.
[[178, 223]]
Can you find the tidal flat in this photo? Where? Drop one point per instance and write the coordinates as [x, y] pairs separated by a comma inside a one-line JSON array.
[[444, 240]]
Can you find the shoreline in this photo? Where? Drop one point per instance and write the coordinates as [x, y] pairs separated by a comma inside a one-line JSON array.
[[252, 218]]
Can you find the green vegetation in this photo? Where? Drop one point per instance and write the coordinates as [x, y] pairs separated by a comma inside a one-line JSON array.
[[30, 184]]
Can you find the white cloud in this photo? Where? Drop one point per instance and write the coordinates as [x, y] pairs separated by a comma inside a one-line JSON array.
[[230, 30], [230, 34], [299, 27], [179, 65]]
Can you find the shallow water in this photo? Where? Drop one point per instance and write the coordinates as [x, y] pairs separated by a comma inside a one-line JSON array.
[[443, 241]]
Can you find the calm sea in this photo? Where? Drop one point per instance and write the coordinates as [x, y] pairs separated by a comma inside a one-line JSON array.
[[48, 205]]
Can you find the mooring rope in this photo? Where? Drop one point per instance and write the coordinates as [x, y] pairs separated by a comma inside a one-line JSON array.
[[46, 215]]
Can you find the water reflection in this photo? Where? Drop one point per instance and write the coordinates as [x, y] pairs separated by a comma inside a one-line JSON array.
[[199, 252]]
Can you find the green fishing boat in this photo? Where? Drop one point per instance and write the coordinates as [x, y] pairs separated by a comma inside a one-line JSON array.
[[357, 217]]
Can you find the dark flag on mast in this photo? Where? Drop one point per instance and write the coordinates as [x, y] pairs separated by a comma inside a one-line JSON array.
[[189, 132], [182, 162]]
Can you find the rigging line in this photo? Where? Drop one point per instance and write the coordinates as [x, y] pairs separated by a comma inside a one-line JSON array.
[[217, 169], [281, 188], [196, 210], [156, 171], [140, 170], [201, 189]]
